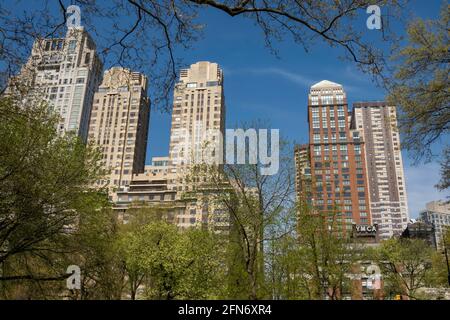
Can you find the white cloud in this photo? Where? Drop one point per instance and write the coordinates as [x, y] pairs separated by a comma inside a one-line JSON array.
[[288, 75], [420, 182], [291, 76]]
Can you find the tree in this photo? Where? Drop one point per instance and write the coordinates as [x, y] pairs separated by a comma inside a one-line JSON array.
[[405, 265], [93, 246], [327, 254], [286, 276], [176, 264], [44, 181], [256, 204], [421, 88], [155, 31], [445, 171], [136, 218]]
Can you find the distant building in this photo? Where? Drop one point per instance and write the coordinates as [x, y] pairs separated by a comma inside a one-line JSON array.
[[353, 163], [420, 230], [152, 188], [437, 213]]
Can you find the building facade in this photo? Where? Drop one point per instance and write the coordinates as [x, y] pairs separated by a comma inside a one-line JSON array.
[[152, 188], [119, 125], [198, 119], [420, 230], [437, 213], [377, 124], [302, 173], [338, 166], [67, 71]]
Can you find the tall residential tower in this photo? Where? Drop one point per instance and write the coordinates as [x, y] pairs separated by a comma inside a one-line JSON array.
[[67, 71], [198, 118], [377, 124], [338, 173], [119, 124]]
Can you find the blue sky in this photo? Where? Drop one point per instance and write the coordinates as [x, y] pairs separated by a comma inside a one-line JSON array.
[[259, 85]]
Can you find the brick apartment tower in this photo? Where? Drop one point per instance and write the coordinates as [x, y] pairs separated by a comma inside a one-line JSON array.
[[377, 124], [338, 172], [119, 124]]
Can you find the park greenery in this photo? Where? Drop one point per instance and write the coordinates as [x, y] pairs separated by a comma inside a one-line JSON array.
[[277, 248]]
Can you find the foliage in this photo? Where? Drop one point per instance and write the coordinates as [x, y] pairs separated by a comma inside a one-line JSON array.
[[421, 87], [44, 181], [175, 264], [408, 265], [155, 31]]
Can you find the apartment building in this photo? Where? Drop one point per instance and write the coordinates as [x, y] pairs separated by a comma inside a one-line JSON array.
[[437, 213], [67, 71], [338, 164], [119, 125], [152, 188], [377, 124], [198, 119]]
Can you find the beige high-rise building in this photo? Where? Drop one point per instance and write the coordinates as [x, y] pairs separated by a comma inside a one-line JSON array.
[[377, 124], [198, 119], [151, 188], [68, 72], [302, 173], [119, 124]]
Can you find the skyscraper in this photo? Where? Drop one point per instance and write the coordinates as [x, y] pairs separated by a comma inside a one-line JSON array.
[[338, 173], [68, 72], [377, 124], [437, 213], [119, 124], [198, 118]]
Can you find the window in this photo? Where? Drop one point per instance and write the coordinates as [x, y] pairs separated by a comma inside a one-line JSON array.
[[82, 73], [72, 46], [191, 85], [317, 150], [327, 99], [316, 123]]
